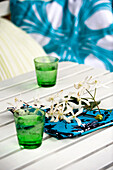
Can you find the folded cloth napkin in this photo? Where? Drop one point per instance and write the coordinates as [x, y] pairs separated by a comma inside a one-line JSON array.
[[62, 129]]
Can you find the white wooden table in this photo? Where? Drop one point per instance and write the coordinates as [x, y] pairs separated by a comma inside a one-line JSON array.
[[89, 152]]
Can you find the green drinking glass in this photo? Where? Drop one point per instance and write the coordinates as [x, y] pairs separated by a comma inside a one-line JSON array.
[[29, 125], [46, 70]]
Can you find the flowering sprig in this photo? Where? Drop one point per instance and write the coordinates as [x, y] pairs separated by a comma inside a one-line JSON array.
[[86, 86], [68, 107], [64, 109]]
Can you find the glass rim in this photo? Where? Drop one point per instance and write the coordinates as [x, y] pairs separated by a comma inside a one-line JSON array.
[[47, 62], [19, 115]]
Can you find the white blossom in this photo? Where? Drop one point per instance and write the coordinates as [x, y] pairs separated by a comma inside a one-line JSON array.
[[62, 107]]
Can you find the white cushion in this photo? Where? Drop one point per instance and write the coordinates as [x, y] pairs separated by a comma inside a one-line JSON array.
[[17, 50]]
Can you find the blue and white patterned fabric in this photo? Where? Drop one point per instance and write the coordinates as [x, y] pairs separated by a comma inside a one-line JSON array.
[[62, 129], [74, 30]]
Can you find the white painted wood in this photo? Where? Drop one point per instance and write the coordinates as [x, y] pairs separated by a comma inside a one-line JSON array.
[[101, 93], [30, 85], [5, 118], [28, 95], [30, 76], [104, 92], [9, 131], [94, 161], [106, 103], [75, 78], [75, 151], [110, 168], [4, 8], [17, 80], [12, 145], [67, 64], [8, 117], [53, 153]]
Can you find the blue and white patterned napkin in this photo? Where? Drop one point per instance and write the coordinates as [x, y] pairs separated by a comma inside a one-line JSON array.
[[62, 129]]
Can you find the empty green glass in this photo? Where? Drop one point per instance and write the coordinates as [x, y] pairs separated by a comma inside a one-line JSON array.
[[29, 125], [46, 70]]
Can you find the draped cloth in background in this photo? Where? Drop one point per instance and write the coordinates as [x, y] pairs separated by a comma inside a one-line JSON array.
[[74, 30]]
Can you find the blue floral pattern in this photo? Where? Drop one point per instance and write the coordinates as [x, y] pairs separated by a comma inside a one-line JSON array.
[[74, 30], [62, 129]]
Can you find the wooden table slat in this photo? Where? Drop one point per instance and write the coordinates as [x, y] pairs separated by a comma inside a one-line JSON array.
[[32, 84], [42, 92], [29, 76], [76, 151], [52, 150], [101, 93], [95, 160], [91, 151]]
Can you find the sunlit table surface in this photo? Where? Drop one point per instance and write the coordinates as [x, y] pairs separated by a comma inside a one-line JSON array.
[[89, 152]]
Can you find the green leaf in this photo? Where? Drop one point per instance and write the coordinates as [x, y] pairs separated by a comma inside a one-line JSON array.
[[92, 105]]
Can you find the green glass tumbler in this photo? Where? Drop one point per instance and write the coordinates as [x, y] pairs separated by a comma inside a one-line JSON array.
[[46, 70], [29, 127]]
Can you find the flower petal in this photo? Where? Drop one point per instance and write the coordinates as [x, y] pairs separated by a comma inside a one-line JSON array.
[[78, 121], [79, 112]]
